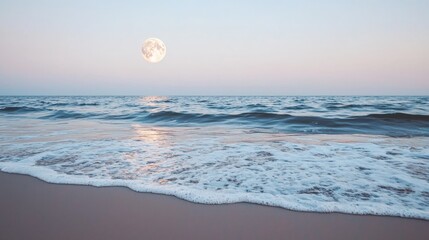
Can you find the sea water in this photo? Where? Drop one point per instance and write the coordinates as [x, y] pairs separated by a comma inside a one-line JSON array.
[[362, 155]]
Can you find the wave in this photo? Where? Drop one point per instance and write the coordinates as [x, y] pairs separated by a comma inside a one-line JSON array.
[[262, 115], [341, 106], [210, 197], [72, 104], [297, 107], [18, 109], [400, 116], [187, 117], [62, 114], [391, 124]]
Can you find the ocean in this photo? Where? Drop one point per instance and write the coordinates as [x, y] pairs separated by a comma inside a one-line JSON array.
[[351, 154]]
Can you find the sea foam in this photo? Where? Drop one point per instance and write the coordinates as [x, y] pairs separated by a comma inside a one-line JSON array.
[[350, 173]]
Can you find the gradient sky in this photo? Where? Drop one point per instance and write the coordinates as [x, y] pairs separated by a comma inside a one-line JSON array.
[[340, 47]]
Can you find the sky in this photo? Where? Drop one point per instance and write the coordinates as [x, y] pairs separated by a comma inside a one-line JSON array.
[[363, 47]]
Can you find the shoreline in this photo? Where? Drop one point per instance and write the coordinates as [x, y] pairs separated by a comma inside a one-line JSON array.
[[34, 209]]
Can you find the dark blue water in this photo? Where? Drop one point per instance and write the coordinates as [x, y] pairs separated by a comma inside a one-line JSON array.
[[390, 116]]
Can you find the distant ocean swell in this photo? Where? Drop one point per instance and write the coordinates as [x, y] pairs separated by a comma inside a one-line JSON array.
[[361, 155], [391, 124]]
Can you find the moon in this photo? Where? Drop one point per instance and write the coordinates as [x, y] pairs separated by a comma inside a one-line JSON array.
[[153, 50]]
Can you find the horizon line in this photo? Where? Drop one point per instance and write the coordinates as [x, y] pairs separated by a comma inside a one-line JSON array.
[[212, 95]]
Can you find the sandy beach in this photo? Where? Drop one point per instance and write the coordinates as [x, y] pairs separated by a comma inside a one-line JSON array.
[[33, 209]]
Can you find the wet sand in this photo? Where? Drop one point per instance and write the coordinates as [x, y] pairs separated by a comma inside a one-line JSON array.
[[33, 209]]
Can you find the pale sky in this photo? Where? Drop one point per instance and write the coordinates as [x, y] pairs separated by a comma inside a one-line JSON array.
[[363, 47]]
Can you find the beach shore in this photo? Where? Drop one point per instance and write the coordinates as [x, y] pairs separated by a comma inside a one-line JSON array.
[[33, 209]]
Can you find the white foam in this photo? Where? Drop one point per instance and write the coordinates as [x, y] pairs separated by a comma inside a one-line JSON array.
[[359, 174]]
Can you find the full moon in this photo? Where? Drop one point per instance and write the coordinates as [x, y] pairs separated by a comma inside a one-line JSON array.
[[153, 50]]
